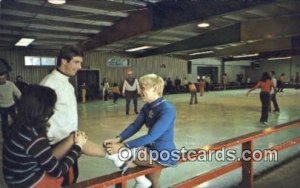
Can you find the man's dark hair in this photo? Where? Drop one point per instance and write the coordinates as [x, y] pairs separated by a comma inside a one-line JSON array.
[[68, 52]]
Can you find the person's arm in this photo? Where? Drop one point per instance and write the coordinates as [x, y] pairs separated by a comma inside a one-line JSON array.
[[16, 91], [255, 87], [113, 145], [42, 152], [273, 86], [134, 127], [93, 149], [90, 148], [61, 149], [112, 141], [124, 87], [162, 124]]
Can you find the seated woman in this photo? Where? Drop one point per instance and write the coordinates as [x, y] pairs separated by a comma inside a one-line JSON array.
[[28, 159], [159, 117]]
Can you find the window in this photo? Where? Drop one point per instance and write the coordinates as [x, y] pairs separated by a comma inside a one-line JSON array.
[[117, 62], [32, 61], [48, 61], [39, 61]]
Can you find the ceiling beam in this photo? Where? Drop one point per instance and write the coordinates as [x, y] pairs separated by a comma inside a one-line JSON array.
[[272, 28], [137, 23], [32, 22], [40, 35], [267, 45], [78, 8], [266, 55], [14, 30], [256, 47], [25, 14], [213, 38], [166, 14], [129, 2], [48, 27], [172, 13]]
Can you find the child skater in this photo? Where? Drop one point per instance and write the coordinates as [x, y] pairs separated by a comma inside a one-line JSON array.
[[116, 92], [193, 91], [158, 115]]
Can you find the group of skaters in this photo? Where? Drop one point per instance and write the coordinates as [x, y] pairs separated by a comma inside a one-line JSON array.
[[268, 84], [182, 85], [42, 145]]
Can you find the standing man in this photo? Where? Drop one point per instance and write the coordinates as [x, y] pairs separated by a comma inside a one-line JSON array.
[[273, 94], [297, 80], [65, 118], [224, 80], [177, 83], [280, 83], [131, 89], [8, 93]]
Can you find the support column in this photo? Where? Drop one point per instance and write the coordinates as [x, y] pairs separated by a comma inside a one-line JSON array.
[[247, 165], [222, 71]]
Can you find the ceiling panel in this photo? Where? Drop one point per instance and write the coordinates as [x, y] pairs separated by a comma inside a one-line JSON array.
[[170, 27]]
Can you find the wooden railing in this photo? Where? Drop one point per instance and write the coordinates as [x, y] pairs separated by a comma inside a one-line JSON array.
[[247, 165]]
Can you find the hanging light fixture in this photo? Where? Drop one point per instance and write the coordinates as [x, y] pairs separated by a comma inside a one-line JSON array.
[[203, 25], [57, 2], [24, 42]]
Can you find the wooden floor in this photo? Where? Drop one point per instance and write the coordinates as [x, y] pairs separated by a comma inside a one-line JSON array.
[[218, 116]]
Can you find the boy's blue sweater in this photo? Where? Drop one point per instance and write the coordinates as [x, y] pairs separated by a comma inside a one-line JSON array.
[[159, 117]]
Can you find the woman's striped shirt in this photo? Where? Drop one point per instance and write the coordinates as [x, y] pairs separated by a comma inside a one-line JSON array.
[[27, 156]]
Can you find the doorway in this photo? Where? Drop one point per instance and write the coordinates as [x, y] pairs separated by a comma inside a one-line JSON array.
[[91, 80], [209, 71]]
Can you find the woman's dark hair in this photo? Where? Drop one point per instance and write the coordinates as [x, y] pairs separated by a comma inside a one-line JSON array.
[[34, 108], [67, 52], [265, 76]]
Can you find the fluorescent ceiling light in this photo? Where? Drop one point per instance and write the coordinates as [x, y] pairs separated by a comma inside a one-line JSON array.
[[204, 52], [57, 2], [279, 58], [235, 44], [219, 48], [24, 42], [138, 48], [203, 25], [246, 55]]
